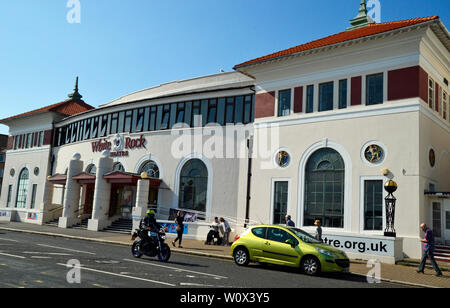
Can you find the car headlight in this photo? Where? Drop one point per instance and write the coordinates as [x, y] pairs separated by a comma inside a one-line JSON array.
[[327, 253]]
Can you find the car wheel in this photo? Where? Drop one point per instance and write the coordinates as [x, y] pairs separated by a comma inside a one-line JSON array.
[[310, 266], [241, 256]]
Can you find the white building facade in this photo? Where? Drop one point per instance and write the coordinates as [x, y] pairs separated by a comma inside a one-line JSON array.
[[314, 132]]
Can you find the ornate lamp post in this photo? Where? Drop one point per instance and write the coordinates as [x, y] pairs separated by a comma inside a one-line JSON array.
[[390, 200]]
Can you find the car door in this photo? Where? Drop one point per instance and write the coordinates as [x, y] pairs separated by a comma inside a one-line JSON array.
[[277, 251], [256, 244]]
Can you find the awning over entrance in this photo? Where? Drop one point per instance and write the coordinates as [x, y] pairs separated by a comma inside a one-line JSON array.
[[438, 194], [58, 179], [85, 178], [126, 178]]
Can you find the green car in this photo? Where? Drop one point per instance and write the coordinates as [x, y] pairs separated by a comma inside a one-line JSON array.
[[290, 247]]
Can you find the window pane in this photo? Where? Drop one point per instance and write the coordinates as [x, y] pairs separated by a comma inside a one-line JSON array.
[[230, 110], [239, 109], [343, 94], [374, 89], [212, 111], [121, 122], [153, 112], [193, 186], [188, 114], [221, 111], [280, 202], [114, 122], [326, 96], [173, 115], [373, 205], [204, 111], [324, 189], [310, 99], [284, 103]]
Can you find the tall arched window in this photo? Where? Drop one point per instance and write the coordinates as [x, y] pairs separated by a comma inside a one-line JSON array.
[[91, 169], [118, 167], [193, 186], [151, 168], [324, 189], [22, 189]]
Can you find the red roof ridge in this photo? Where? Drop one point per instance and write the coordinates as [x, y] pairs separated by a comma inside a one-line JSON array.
[[59, 108], [371, 29]]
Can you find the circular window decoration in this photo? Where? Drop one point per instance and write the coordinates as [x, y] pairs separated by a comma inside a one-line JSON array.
[[12, 172], [36, 171], [432, 158], [283, 159], [374, 154]]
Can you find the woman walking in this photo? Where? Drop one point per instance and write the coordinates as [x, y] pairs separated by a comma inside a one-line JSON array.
[[179, 220]]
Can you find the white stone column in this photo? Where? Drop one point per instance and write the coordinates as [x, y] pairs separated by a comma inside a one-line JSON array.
[[72, 196], [102, 195], [47, 202], [139, 211]]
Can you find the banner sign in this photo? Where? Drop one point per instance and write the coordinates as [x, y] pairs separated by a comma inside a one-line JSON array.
[[364, 245], [173, 228]]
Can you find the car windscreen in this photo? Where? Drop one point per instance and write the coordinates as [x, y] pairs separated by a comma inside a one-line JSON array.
[[304, 236]]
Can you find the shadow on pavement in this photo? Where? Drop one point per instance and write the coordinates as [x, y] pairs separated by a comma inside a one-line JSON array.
[[335, 276]]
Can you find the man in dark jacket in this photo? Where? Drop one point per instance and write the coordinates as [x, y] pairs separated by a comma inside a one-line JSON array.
[[428, 241]]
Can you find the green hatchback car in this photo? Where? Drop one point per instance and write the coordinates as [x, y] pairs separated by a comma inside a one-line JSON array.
[[287, 246]]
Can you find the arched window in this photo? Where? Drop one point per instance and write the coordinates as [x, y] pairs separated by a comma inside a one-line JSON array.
[[193, 186], [118, 167], [324, 189], [151, 168], [22, 189], [91, 169]]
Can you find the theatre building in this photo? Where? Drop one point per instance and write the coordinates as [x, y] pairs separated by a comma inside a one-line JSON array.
[[75, 165], [314, 131]]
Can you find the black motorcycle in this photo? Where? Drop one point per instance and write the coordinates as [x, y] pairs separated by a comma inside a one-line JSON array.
[[151, 244]]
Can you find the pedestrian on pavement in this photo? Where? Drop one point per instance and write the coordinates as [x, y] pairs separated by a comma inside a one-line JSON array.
[[179, 220], [226, 231], [428, 241], [289, 222], [318, 236]]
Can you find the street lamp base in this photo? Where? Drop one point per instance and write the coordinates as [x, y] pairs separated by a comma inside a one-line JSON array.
[[390, 234]]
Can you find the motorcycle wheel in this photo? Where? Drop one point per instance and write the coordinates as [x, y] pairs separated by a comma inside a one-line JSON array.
[[135, 249], [164, 253]]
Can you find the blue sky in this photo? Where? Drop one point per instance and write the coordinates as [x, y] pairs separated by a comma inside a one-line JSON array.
[[124, 46]]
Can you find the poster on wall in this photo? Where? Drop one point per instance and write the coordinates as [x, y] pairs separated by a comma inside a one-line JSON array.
[[32, 216], [172, 228], [188, 217], [5, 214]]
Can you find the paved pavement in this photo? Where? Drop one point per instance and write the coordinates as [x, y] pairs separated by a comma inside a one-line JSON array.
[[389, 273]]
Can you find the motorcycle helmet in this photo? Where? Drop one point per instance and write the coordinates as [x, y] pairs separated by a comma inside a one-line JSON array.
[[150, 213]]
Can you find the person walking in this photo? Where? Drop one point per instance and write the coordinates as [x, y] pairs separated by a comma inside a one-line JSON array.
[[226, 231], [289, 222], [428, 246], [179, 220], [318, 236]]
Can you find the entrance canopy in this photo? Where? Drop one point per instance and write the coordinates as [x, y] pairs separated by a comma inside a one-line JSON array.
[[85, 178], [126, 178], [443, 195], [58, 179]]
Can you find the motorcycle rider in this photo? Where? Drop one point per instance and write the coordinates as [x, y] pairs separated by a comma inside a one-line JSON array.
[[149, 223]]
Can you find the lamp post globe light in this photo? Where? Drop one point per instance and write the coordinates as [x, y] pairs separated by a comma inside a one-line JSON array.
[[390, 200]]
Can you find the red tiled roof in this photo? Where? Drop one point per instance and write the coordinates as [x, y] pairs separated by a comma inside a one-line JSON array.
[[67, 108], [369, 30]]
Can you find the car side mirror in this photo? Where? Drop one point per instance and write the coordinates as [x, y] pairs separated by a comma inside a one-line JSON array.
[[290, 242]]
